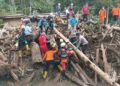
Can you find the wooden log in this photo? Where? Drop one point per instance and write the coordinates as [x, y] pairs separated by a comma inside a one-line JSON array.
[[14, 76], [36, 54], [75, 79], [116, 28], [80, 73], [97, 60], [104, 58], [2, 57], [104, 75], [87, 77]]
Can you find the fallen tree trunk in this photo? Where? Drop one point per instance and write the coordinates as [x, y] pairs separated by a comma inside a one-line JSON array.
[[75, 79], [80, 73], [116, 28], [104, 58], [104, 75]]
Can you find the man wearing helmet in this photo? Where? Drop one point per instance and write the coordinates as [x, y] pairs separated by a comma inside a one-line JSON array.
[[63, 58]]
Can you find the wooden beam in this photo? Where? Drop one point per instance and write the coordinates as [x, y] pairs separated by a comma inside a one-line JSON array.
[[80, 73], [92, 65], [104, 58], [75, 79]]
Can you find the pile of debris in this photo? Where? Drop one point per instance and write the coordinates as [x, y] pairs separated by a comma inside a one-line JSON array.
[[103, 52], [103, 55]]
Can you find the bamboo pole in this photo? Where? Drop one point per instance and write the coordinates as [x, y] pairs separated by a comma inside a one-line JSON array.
[[105, 76]]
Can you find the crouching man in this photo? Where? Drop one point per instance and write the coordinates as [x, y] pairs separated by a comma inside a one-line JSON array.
[[82, 42]]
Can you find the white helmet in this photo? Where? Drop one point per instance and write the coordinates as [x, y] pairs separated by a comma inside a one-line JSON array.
[[61, 40], [63, 44]]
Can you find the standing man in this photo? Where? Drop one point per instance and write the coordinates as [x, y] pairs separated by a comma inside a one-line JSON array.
[[50, 21], [102, 15], [85, 11], [58, 9], [115, 13], [73, 22], [67, 13]]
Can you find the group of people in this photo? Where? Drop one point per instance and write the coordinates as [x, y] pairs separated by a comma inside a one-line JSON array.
[[58, 53], [115, 13], [54, 51]]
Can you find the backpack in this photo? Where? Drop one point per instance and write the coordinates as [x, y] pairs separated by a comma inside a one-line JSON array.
[[63, 54]]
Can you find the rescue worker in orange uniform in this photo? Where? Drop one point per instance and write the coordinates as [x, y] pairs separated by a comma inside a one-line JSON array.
[[49, 59], [63, 54], [102, 15], [115, 13], [119, 16]]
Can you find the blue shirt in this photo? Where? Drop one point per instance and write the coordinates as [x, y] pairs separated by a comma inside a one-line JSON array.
[[73, 21], [27, 30]]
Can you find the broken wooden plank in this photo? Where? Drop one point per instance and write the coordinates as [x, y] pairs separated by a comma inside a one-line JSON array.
[[2, 57], [75, 79], [104, 58], [36, 54], [97, 60], [14, 76], [87, 77], [80, 73]]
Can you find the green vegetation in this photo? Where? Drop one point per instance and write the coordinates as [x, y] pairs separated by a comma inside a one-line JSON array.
[[27, 6]]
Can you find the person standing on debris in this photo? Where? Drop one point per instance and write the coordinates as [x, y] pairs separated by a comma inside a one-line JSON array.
[[50, 21], [73, 38], [85, 11], [58, 9], [42, 24], [71, 13], [115, 13], [119, 16], [73, 22], [82, 42], [63, 59], [102, 15], [49, 59], [43, 43], [71, 7], [67, 13]]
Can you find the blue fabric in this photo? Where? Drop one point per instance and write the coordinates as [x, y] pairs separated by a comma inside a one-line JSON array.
[[40, 22], [73, 21], [27, 30]]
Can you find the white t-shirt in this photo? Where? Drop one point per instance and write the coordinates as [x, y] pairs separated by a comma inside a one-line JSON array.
[[67, 11], [82, 41]]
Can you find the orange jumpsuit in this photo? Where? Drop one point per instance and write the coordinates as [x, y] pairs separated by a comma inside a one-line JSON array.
[[119, 14], [102, 15], [115, 11]]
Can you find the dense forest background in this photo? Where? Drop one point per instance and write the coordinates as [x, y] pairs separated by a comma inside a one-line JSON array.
[[42, 6]]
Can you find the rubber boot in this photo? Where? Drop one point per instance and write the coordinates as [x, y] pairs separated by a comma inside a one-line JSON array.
[[27, 46], [60, 68], [20, 53], [45, 74]]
